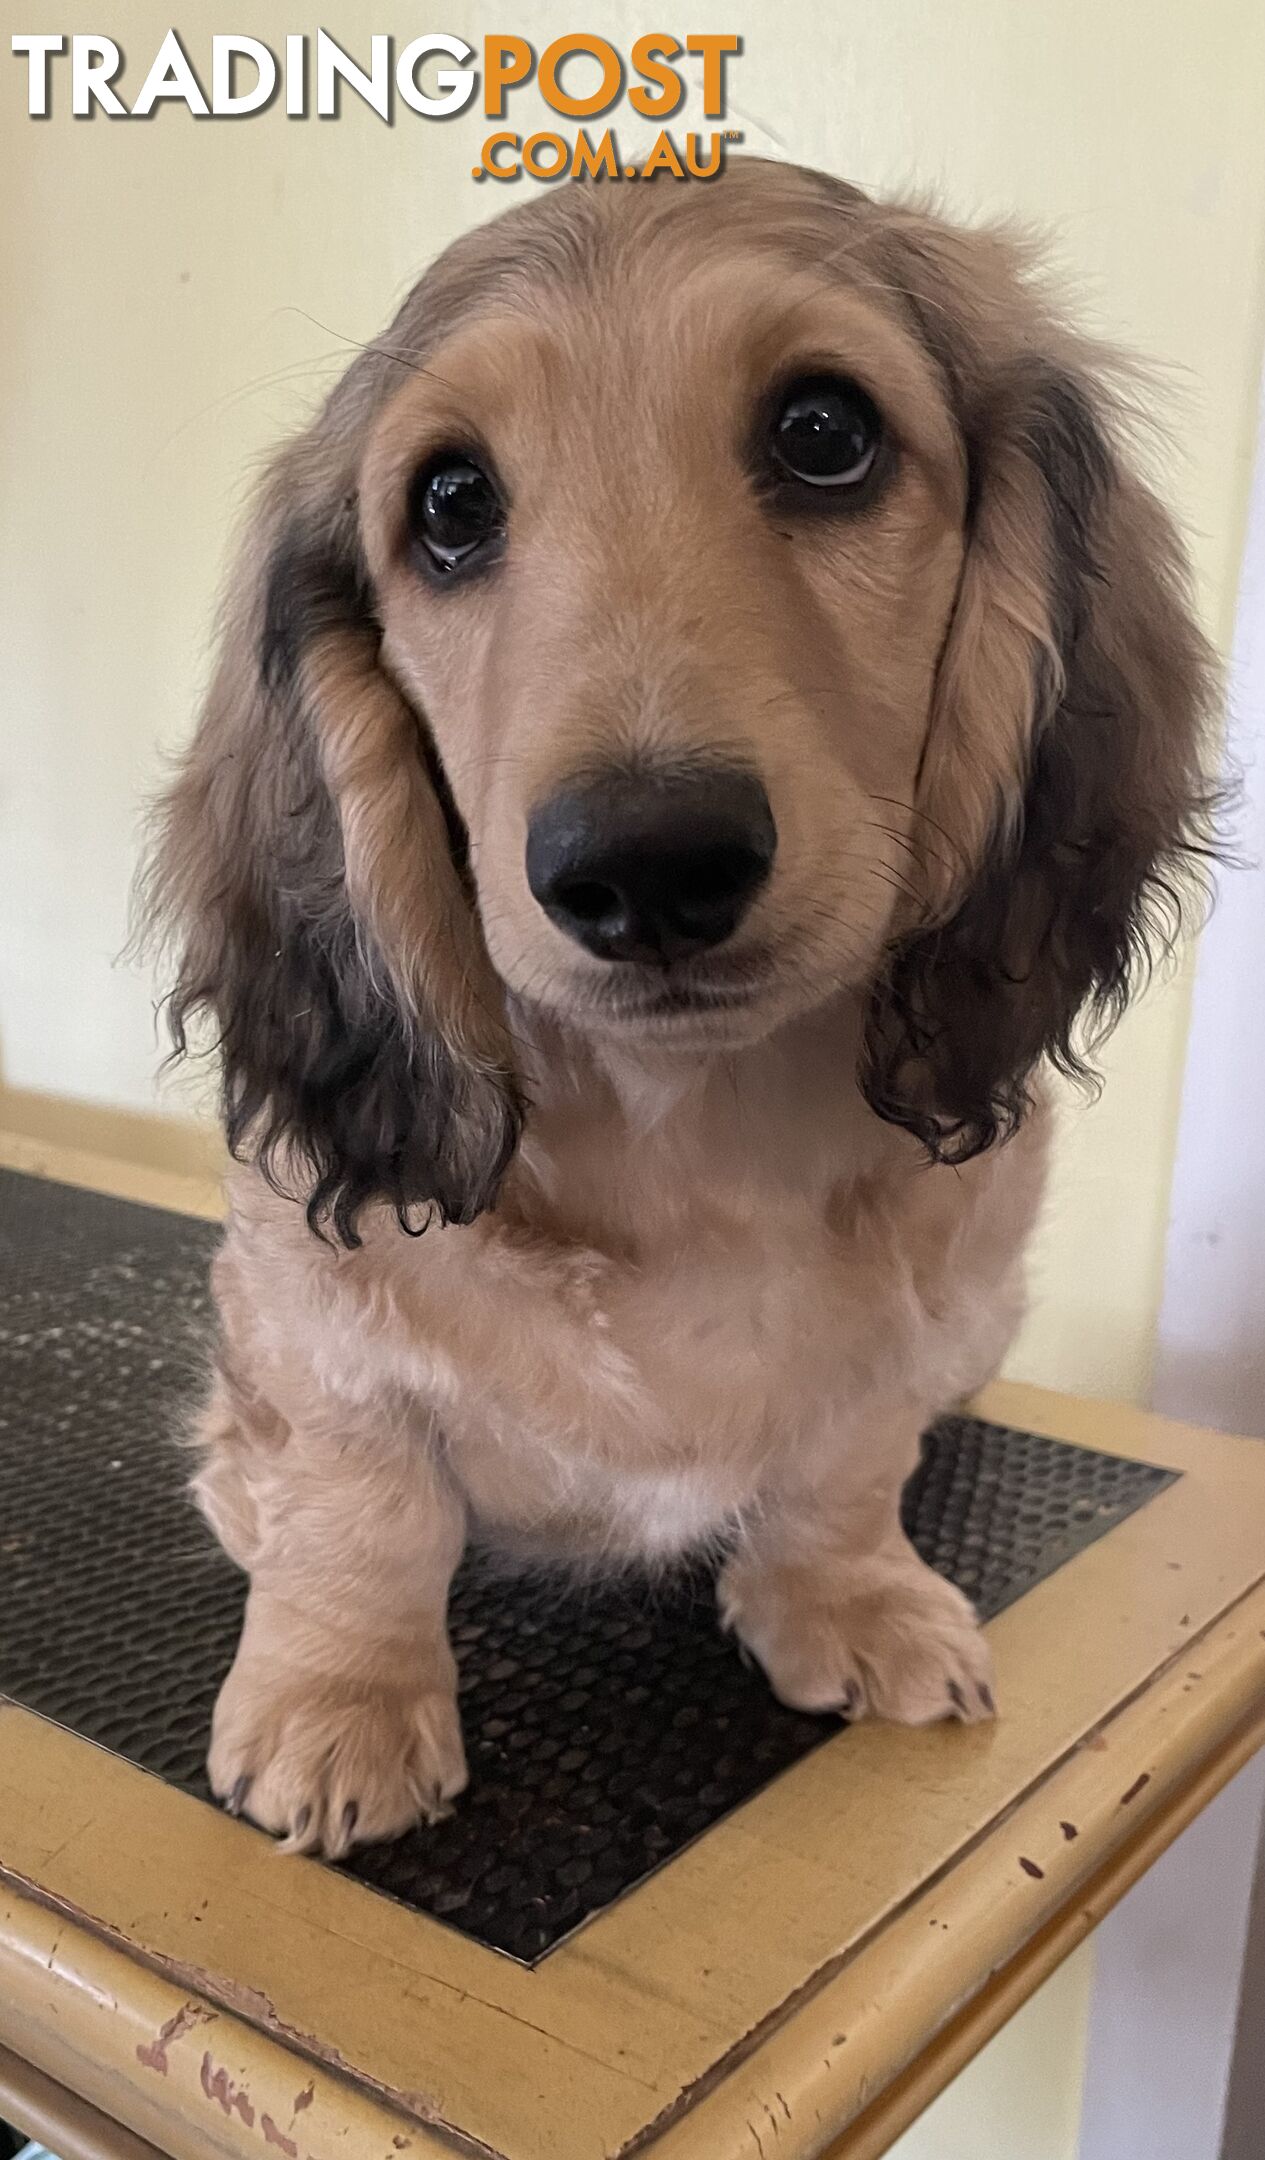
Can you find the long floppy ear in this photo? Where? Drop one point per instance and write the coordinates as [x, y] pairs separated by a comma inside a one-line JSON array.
[[1063, 793], [308, 872]]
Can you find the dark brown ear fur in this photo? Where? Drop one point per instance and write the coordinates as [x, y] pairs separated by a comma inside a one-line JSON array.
[[304, 867], [1065, 760]]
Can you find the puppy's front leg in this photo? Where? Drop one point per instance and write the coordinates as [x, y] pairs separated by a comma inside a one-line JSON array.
[[830, 1597], [338, 1723]]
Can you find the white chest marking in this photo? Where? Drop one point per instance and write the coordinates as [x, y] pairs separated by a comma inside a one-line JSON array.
[[663, 1512]]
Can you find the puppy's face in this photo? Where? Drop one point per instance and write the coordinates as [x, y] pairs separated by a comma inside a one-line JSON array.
[[759, 571], [665, 542]]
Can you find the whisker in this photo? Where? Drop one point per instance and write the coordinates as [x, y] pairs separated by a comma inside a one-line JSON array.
[[374, 346], [915, 810], [294, 371]]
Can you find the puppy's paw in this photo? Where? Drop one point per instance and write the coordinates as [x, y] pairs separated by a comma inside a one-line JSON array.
[[328, 1762], [886, 1637]]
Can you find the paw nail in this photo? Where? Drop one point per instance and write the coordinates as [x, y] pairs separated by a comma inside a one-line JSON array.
[[957, 1698], [988, 1699], [849, 1699], [351, 1815], [301, 1822], [236, 1800]]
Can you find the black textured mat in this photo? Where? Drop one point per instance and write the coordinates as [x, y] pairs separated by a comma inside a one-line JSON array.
[[605, 1729]]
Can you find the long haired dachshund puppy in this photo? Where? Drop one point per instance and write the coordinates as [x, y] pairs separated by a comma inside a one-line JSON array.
[[705, 714]]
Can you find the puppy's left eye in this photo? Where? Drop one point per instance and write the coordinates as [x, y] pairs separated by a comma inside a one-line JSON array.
[[827, 431], [454, 510]]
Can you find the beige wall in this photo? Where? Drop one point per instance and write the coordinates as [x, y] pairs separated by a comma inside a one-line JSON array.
[[176, 293]]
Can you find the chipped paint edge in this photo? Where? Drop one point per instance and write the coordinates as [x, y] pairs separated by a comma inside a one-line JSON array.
[[175, 2068]]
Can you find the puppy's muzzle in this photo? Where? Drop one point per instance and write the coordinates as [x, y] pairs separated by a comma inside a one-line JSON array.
[[651, 867]]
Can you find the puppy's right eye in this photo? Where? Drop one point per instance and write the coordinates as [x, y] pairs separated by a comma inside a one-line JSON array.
[[454, 511], [827, 432]]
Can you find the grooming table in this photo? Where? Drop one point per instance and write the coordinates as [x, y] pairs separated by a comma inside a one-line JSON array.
[[669, 1916]]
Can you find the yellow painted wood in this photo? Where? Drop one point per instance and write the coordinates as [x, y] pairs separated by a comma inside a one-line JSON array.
[[940, 2059], [876, 2014], [411, 2004], [183, 1193], [40, 2108], [189, 1146], [185, 2074]]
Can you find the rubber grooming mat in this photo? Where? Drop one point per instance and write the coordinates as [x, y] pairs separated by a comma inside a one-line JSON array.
[[605, 1729]]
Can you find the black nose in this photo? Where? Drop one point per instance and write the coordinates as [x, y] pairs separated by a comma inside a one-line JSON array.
[[650, 866]]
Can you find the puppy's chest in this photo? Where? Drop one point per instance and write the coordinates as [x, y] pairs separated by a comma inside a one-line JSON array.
[[649, 1405]]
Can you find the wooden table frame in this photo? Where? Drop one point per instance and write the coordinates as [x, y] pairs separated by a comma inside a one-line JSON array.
[[798, 1983]]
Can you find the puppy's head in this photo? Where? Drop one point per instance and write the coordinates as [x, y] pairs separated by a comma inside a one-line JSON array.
[[702, 603]]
